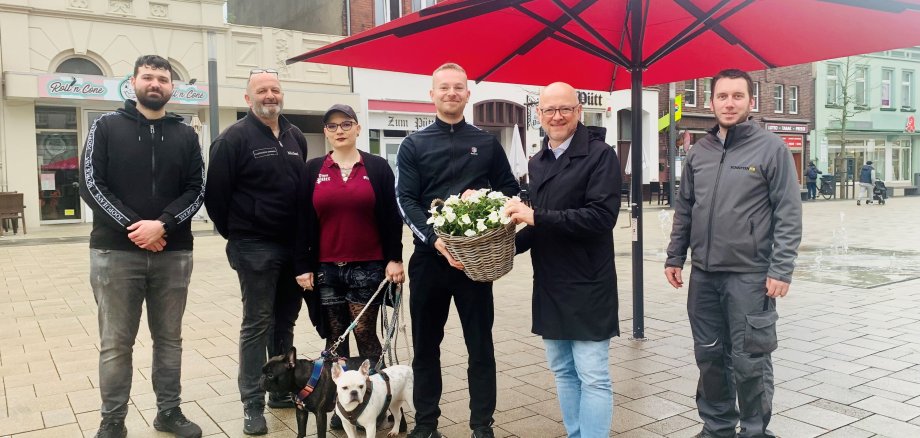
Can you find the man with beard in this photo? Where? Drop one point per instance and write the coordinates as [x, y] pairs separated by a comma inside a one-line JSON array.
[[256, 180], [143, 176], [448, 157], [739, 210]]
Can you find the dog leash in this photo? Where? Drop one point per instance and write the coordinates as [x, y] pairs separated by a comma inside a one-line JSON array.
[[389, 326]]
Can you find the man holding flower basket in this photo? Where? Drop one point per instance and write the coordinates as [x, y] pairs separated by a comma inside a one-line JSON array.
[[449, 157]]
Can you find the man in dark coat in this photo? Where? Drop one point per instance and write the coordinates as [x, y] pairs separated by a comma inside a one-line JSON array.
[[575, 182]]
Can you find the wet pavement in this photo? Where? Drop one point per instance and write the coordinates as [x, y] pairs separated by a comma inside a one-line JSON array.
[[848, 363]]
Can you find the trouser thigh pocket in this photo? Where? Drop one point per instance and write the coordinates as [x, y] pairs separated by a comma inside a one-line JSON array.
[[760, 332]]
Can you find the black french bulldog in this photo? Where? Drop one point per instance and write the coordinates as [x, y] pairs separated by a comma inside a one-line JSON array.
[[288, 374]]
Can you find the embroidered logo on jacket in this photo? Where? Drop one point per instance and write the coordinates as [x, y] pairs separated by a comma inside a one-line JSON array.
[[752, 169], [474, 151], [321, 178], [264, 152]]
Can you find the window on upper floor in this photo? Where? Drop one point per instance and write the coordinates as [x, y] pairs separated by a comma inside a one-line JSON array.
[[886, 88], [79, 66], [386, 10], [861, 89], [707, 92], [793, 99], [690, 93], [834, 90], [418, 5], [778, 91], [756, 97], [907, 89]]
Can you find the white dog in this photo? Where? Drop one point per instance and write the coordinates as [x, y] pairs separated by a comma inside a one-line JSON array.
[[361, 399]]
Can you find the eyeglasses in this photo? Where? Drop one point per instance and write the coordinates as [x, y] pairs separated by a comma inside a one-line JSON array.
[[256, 71], [346, 126], [563, 111]]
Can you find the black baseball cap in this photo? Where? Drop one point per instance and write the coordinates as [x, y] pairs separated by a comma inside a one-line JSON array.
[[869, 163], [340, 108]]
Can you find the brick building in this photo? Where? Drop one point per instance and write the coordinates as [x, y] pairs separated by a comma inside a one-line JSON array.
[[784, 103]]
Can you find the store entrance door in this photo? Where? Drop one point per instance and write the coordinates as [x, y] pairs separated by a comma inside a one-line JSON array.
[[390, 147], [57, 147]]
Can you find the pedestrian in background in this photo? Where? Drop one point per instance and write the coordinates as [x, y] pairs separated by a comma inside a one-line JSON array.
[[811, 180], [143, 177], [866, 178], [257, 174], [574, 183], [739, 210]]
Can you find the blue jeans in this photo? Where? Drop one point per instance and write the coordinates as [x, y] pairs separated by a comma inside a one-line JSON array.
[[583, 385], [812, 189], [122, 281], [271, 302]]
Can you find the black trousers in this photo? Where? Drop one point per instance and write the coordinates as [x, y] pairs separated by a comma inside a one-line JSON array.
[[433, 283]]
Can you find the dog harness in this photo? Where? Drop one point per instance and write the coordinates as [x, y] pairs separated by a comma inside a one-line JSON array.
[[352, 416], [301, 396]]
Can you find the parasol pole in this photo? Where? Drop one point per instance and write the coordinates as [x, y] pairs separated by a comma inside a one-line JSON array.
[[635, 7]]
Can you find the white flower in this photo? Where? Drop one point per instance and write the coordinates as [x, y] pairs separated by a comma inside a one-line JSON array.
[[439, 221], [430, 220], [469, 233], [466, 219], [505, 220], [496, 195], [452, 199], [433, 211], [481, 225], [447, 210], [474, 197], [493, 217], [450, 216]]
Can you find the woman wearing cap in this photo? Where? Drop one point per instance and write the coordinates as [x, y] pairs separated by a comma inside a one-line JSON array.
[[350, 237]]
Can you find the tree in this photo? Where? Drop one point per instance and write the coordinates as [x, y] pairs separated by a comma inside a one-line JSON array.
[[847, 98]]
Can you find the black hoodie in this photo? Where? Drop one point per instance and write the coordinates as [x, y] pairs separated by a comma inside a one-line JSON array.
[[136, 169]]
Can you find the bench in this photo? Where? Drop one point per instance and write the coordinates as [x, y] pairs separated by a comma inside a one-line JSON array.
[[911, 190]]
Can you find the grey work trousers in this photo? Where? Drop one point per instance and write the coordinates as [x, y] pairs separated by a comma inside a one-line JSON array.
[[734, 330], [122, 281]]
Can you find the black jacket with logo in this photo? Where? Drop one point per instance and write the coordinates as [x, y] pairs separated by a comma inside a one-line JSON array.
[[256, 181], [136, 169], [443, 160]]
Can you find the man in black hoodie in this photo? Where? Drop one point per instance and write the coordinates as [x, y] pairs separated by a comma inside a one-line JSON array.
[[256, 180], [143, 176]]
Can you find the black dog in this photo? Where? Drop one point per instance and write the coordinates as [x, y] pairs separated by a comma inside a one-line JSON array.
[[289, 374]]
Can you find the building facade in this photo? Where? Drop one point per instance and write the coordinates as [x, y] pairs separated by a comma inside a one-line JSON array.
[[877, 96], [783, 104], [63, 63]]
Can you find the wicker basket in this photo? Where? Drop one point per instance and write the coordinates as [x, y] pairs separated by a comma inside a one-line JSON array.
[[486, 257]]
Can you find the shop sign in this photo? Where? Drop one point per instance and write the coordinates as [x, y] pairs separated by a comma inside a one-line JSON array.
[[587, 98], [792, 141], [65, 86], [782, 127], [400, 122]]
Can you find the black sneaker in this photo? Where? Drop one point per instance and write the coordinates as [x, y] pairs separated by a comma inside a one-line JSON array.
[[174, 421], [424, 432], [254, 419], [112, 429], [280, 400], [482, 432]]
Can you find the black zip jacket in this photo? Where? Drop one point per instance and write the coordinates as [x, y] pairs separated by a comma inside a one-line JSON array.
[[136, 169], [255, 181], [443, 160], [386, 214]]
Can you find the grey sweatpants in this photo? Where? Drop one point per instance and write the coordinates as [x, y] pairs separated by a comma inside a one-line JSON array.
[[733, 336]]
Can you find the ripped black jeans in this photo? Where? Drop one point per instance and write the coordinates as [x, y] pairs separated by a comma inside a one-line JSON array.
[[734, 331]]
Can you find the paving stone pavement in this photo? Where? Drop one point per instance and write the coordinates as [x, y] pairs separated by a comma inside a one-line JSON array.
[[848, 363]]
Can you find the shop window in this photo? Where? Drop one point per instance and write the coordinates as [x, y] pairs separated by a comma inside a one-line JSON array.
[[594, 118], [58, 163], [79, 66]]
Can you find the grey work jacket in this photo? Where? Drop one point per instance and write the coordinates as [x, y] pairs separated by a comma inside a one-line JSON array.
[[738, 208]]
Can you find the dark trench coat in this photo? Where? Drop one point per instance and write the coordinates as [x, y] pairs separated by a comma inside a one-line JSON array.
[[576, 199]]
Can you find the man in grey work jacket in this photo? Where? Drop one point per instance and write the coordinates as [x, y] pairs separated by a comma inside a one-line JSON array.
[[740, 211]]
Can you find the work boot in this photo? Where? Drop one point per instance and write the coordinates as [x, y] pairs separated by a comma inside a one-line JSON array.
[[280, 400], [254, 419], [172, 420], [112, 429]]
